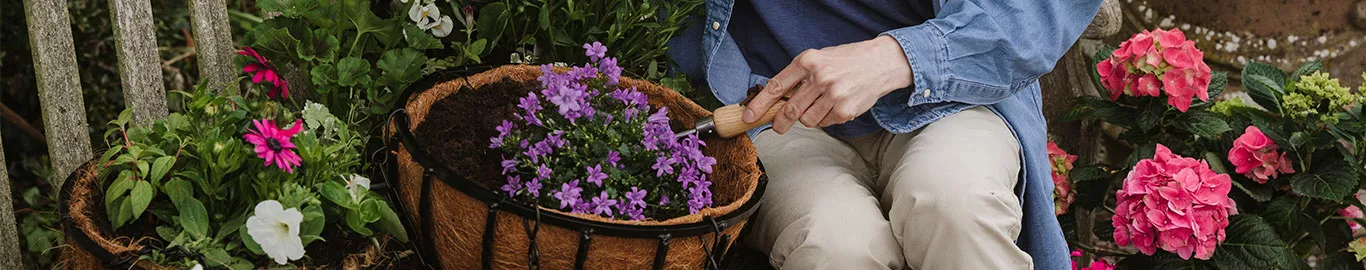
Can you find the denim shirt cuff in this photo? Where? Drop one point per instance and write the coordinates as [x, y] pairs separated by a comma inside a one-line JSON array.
[[927, 52]]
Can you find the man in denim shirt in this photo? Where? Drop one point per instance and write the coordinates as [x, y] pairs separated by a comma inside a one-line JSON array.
[[913, 136]]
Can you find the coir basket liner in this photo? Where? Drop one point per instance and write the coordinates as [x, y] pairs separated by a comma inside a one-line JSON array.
[[92, 244], [467, 226]]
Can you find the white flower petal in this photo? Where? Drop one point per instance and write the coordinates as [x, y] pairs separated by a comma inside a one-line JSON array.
[[431, 11], [443, 27], [197, 267], [415, 12], [276, 230]]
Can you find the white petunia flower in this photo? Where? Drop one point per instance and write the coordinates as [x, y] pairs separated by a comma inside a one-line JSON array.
[[354, 183], [197, 267], [442, 27], [423, 15], [277, 231]]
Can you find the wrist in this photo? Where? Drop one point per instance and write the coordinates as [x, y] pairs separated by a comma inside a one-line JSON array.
[[897, 67]]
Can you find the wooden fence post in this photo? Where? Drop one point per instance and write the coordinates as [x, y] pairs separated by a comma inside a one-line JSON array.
[[59, 87], [213, 43], [135, 40], [10, 257]]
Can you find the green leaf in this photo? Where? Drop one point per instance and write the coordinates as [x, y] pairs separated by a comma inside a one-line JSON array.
[[493, 18], [160, 166], [369, 211], [313, 223], [401, 67], [324, 74], [353, 221], [140, 197], [1090, 182], [1259, 193], [193, 218], [337, 193], [421, 40], [1206, 124], [331, 46], [1331, 182], [1168, 261], [389, 223], [1217, 83], [1252, 244], [277, 40], [477, 48], [121, 185], [1306, 69], [352, 71]]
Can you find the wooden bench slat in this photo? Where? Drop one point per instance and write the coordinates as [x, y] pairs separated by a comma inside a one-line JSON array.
[[213, 42], [139, 63], [10, 257], [59, 86]]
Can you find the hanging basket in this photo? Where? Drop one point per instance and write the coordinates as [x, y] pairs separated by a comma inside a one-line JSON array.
[[468, 226], [91, 243]]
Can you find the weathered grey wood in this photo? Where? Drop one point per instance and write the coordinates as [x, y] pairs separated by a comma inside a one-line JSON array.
[[59, 86], [135, 40], [1107, 21], [9, 232], [213, 42]]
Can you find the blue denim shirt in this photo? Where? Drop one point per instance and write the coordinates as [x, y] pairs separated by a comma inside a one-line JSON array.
[[974, 52]]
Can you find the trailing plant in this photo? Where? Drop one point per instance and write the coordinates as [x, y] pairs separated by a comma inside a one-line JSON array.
[[1218, 184], [586, 145], [196, 177]]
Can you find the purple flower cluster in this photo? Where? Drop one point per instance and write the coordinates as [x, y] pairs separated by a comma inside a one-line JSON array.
[[600, 149]]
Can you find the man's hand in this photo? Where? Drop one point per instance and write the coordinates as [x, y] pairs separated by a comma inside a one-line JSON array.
[[833, 85]]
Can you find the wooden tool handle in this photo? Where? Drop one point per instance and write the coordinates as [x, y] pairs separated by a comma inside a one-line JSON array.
[[729, 120]]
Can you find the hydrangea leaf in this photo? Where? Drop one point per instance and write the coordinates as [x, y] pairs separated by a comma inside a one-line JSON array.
[[1333, 182], [1252, 244], [1306, 69], [1167, 260], [1206, 124], [1264, 91]]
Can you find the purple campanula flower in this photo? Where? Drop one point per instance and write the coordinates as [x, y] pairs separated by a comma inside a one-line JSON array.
[[595, 175], [696, 204], [630, 113], [568, 194], [505, 128], [610, 69], [534, 187], [595, 51], [664, 200], [530, 104], [555, 139], [660, 117], [514, 183], [636, 197], [584, 206], [602, 205], [705, 163], [663, 166], [613, 157], [509, 165], [543, 172], [547, 75], [495, 142]]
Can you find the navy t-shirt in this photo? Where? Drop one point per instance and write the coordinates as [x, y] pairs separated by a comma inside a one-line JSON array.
[[771, 32]]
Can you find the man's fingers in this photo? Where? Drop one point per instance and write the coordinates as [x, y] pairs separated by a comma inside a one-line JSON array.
[[817, 112], [777, 87]]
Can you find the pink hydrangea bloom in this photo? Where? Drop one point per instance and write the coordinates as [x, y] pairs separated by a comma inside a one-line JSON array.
[[1157, 60], [1175, 203], [1352, 213], [1098, 264], [273, 145], [1255, 155], [1062, 187]]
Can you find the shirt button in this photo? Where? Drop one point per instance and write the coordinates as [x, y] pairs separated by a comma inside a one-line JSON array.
[[715, 25], [927, 92]]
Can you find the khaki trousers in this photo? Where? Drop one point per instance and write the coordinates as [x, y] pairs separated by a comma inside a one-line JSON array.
[[938, 198]]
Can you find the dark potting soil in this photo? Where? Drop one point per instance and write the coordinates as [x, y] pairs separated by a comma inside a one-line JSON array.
[[458, 127]]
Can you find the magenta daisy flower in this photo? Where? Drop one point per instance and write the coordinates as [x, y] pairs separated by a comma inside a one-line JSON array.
[[264, 70], [273, 145]]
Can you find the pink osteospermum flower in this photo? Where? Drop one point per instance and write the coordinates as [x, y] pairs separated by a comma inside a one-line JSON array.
[[273, 145], [264, 70]]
